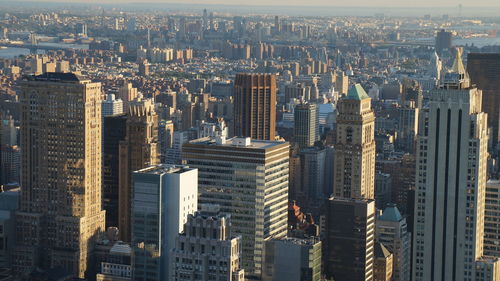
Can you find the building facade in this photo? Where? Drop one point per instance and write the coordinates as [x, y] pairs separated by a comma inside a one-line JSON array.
[[354, 169], [206, 250], [164, 195], [491, 222], [349, 238], [306, 124], [249, 180], [255, 106], [451, 181], [139, 150], [60, 210], [292, 259]]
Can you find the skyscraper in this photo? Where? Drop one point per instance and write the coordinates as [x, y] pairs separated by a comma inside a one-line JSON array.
[[451, 181], [306, 124], [392, 231], [249, 180], [207, 241], [443, 41], [255, 106], [349, 239], [112, 106], [292, 259], [491, 222], [163, 197], [60, 207], [114, 132], [139, 150], [484, 71], [354, 169]]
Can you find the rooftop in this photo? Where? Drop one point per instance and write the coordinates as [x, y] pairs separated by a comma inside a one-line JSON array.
[[391, 213], [164, 169], [56, 77], [356, 92], [237, 142]]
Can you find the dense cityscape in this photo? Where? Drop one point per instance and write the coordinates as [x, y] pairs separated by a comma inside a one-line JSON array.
[[209, 143]]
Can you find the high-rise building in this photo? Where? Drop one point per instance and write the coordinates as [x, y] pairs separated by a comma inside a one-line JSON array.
[[312, 174], [435, 66], [9, 202], [349, 239], [341, 82], [443, 41], [206, 250], [306, 124], [292, 259], [382, 267], [163, 197], [114, 132], [407, 127], [392, 231], [484, 71], [451, 181], [112, 106], [491, 222], [487, 269], [249, 180], [139, 150], [127, 93], [165, 138], [255, 106], [60, 207], [354, 169]]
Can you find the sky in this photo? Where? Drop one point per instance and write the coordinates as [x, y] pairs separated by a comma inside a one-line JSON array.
[[334, 3]]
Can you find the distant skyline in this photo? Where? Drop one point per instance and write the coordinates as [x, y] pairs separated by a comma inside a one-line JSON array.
[[287, 3]]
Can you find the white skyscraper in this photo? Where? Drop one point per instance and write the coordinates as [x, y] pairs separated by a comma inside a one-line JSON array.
[[450, 181], [111, 106], [163, 197]]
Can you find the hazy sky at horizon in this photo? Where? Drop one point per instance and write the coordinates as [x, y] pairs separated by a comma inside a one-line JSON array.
[[333, 3]]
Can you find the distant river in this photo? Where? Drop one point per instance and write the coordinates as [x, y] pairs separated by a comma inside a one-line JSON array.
[[478, 42], [13, 52]]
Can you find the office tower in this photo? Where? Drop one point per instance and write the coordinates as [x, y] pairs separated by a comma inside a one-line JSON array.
[[115, 131], [349, 239], [139, 150], [443, 41], [383, 189], [484, 71], [60, 206], [487, 269], [8, 206], [255, 106], [354, 170], [36, 65], [297, 91], [249, 180], [62, 66], [306, 124], [112, 106], [382, 266], [312, 175], [165, 138], [118, 264], [163, 197], [341, 82], [407, 127], [450, 181], [491, 223], [10, 164], [207, 242], [435, 66], [392, 231], [292, 259], [127, 93]]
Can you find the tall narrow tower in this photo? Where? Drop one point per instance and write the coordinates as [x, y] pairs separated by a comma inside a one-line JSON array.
[[450, 181], [139, 150], [60, 207], [354, 170], [255, 106]]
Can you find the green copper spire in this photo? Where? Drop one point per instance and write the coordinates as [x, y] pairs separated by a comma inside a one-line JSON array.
[[356, 92]]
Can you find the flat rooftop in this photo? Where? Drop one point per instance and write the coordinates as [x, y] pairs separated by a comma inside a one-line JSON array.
[[164, 169], [238, 142]]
